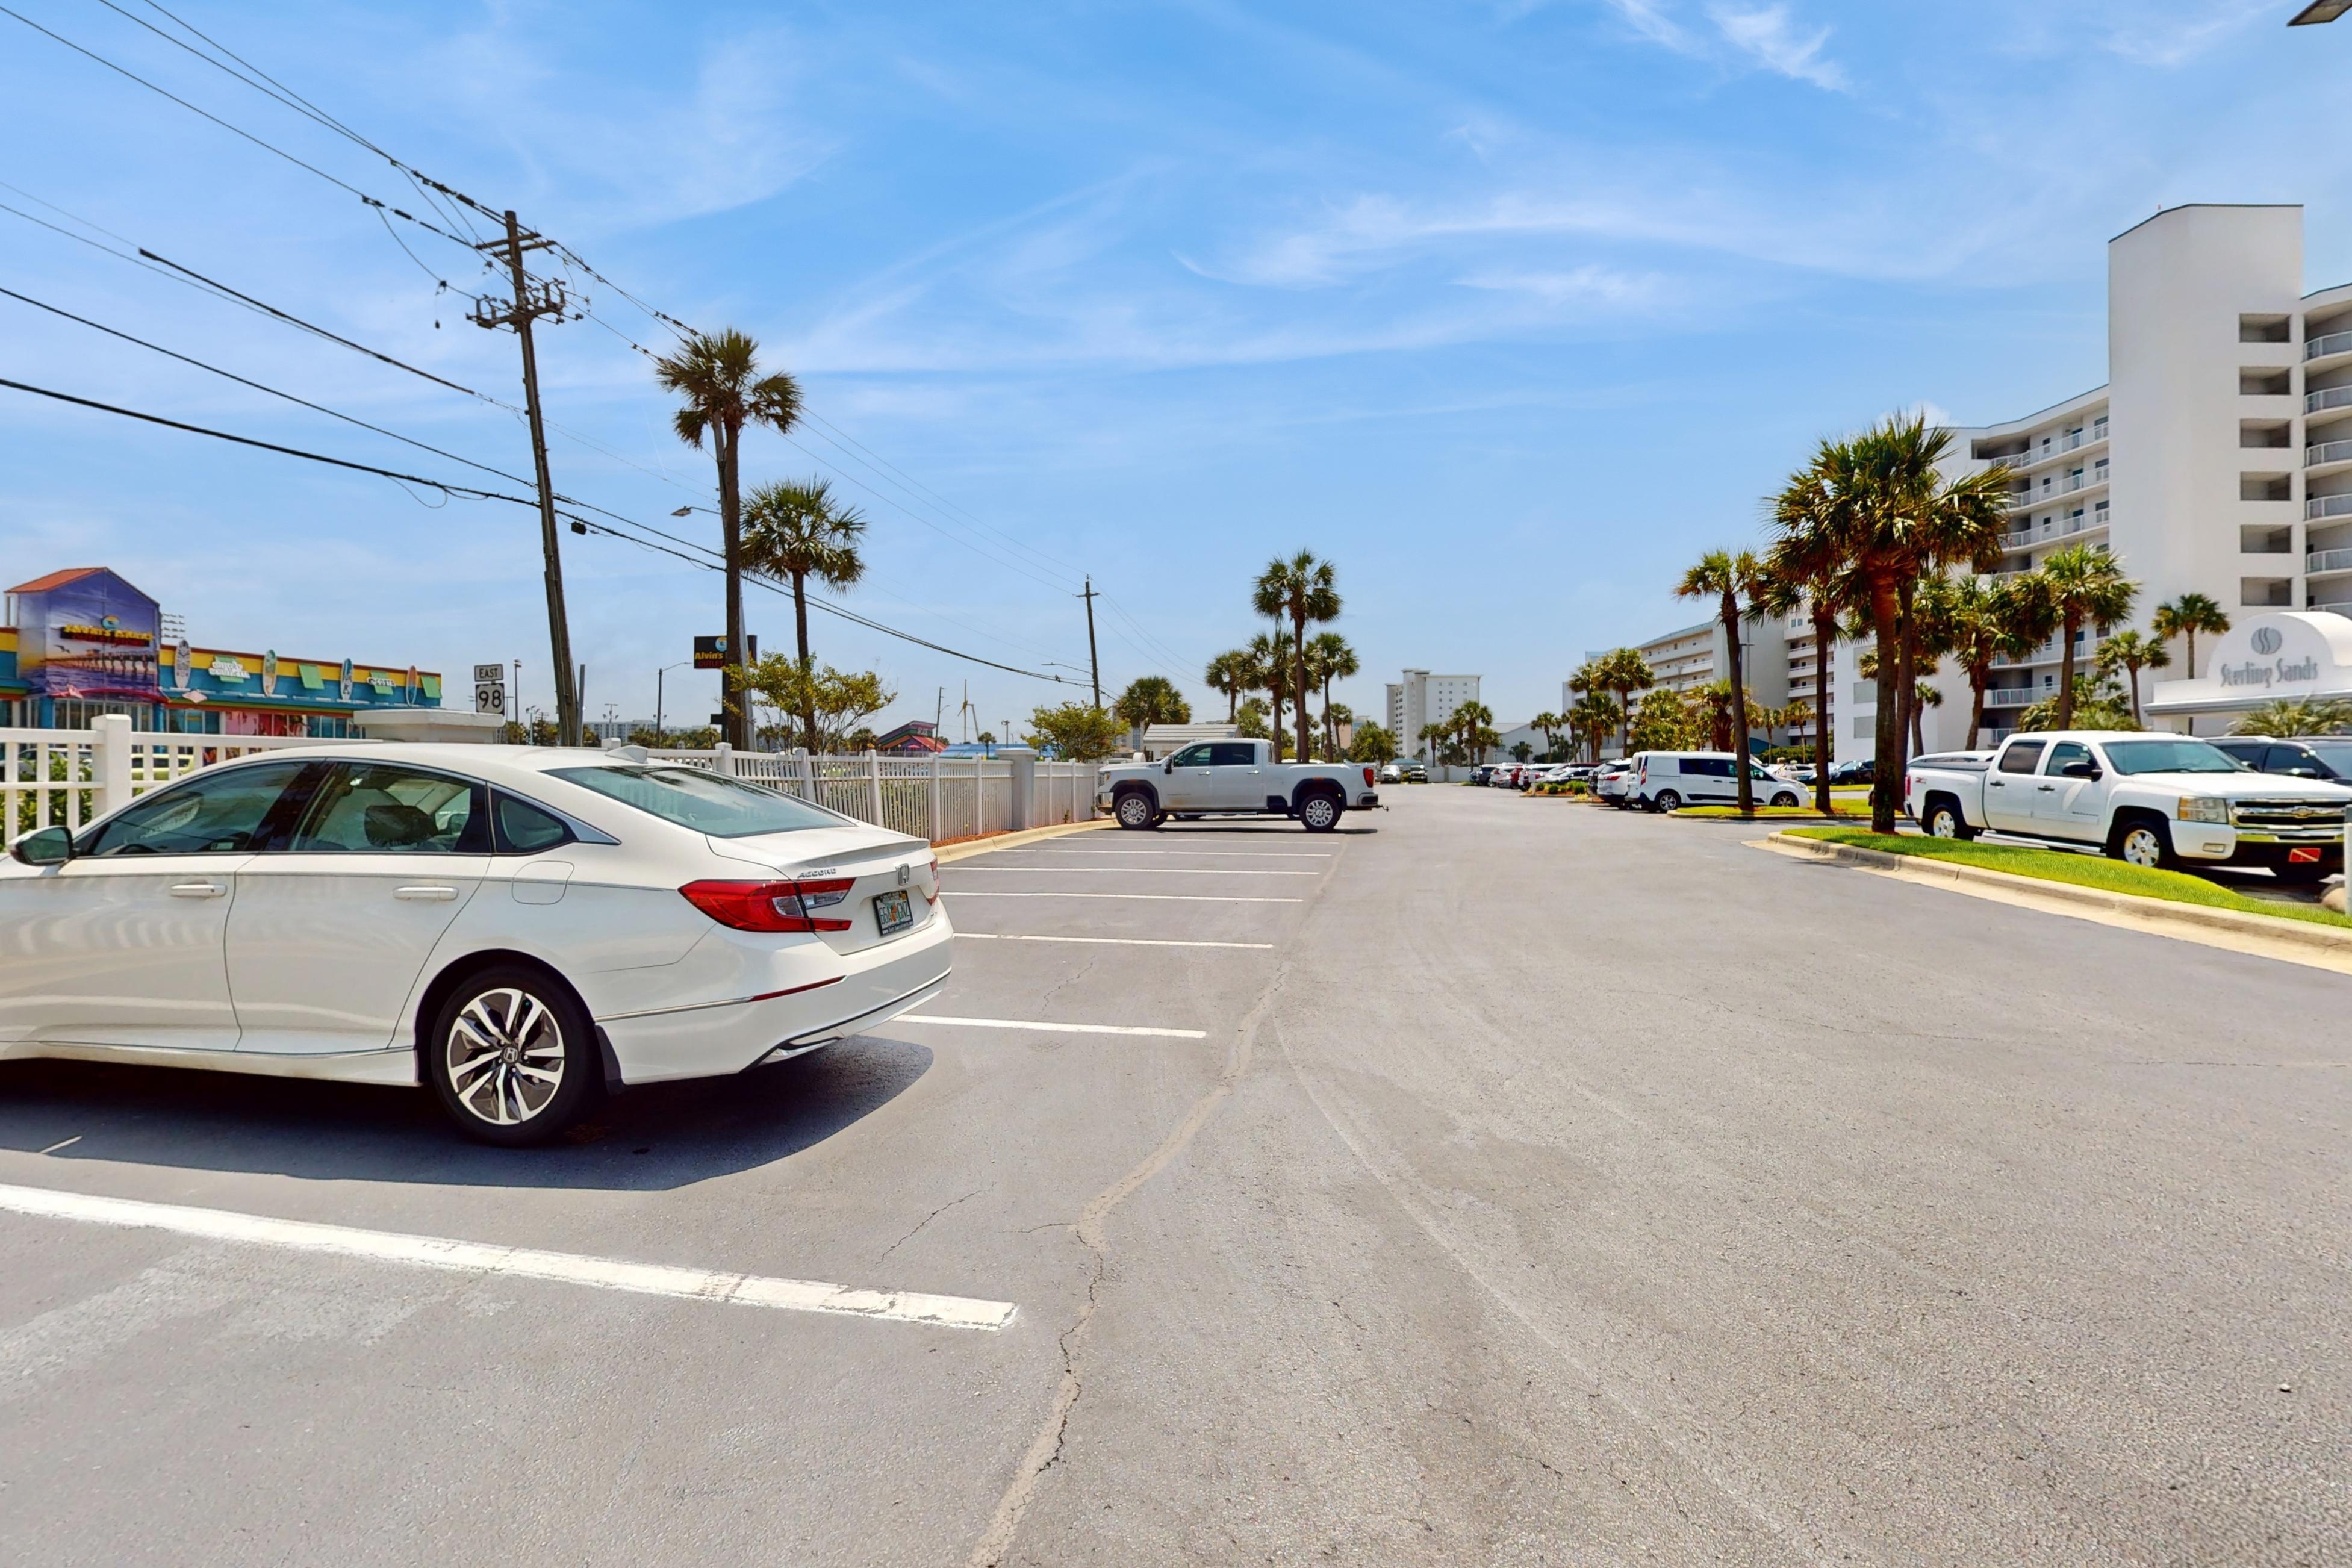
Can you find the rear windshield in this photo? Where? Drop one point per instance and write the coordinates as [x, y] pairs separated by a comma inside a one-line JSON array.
[[2183, 756], [722, 807]]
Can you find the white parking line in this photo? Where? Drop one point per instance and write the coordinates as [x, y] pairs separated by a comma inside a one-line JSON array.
[[1103, 941], [515, 1262], [1051, 1028], [1198, 854], [1158, 898], [1142, 870]]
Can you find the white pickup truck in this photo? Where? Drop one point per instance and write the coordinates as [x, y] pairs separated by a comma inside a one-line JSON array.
[[1217, 777], [2150, 799]]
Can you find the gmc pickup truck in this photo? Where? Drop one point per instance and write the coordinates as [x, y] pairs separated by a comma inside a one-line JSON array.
[[2149, 799], [1218, 777]]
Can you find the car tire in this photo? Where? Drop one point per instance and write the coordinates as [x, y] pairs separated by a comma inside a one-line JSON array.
[[2142, 841], [1945, 821], [1666, 800], [2302, 875], [1319, 814], [1134, 811], [493, 1045], [1786, 801]]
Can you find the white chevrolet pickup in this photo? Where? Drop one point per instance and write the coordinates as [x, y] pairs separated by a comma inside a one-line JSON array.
[[1215, 777], [2150, 799]]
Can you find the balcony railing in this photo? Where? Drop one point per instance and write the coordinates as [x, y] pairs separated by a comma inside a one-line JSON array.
[[2021, 539], [2328, 560], [2021, 500], [2012, 696], [2333, 343], [2328, 506], [2340, 608], [2328, 452], [2328, 398]]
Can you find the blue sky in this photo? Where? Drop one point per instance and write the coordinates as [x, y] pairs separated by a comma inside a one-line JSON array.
[[1511, 309]]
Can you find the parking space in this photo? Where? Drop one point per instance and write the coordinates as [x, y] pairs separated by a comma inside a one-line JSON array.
[[870, 1249]]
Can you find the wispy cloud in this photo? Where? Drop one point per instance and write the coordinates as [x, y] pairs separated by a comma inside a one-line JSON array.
[[1768, 37], [2152, 35]]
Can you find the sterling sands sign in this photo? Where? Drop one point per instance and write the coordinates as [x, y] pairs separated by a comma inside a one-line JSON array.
[[2267, 655]]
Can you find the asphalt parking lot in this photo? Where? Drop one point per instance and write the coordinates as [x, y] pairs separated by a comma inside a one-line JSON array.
[[1494, 1181]]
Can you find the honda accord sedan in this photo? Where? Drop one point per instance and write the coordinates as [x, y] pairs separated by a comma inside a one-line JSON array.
[[520, 929]]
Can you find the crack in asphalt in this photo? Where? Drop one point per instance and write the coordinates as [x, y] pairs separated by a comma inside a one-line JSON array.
[[926, 1220]]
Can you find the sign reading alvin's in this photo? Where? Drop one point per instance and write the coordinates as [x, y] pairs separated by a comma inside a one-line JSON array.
[[710, 653]]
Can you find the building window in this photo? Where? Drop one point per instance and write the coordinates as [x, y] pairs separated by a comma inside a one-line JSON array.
[[2099, 428]]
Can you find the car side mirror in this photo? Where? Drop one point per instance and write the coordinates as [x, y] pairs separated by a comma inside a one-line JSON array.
[[1168, 767], [2081, 770], [47, 846]]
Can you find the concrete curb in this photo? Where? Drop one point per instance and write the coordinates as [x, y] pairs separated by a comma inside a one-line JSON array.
[[1014, 840], [2155, 911]]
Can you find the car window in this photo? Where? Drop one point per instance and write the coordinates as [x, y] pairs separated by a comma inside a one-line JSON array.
[[217, 812], [2335, 757], [2020, 756], [2250, 753], [2284, 759], [389, 808], [1708, 767], [1232, 754], [2065, 751], [524, 828], [706, 803], [2178, 756], [1194, 756]]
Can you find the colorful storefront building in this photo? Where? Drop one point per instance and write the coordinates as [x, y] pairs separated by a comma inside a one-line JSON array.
[[82, 642]]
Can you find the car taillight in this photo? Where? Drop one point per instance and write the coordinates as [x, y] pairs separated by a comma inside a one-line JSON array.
[[769, 906], [1368, 775]]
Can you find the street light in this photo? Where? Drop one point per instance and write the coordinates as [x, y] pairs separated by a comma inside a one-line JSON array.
[[2319, 11], [658, 674]]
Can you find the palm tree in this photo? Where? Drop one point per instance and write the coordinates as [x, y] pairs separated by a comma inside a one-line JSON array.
[[1620, 672], [2184, 618], [1595, 715], [1548, 725], [2085, 586], [792, 533], [718, 376], [1330, 659], [1472, 722], [1152, 699], [1875, 516], [1435, 736], [1229, 674], [1802, 573], [2131, 653], [1981, 624], [1796, 716], [1269, 669], [1301, 589], [1726, 578], [2296, 716]]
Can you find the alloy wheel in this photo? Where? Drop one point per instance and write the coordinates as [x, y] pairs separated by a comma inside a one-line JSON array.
[[1318, 813], [2142, 847], [504, 1055]]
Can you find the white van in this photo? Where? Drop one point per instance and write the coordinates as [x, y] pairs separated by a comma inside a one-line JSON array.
[[1666, 781]]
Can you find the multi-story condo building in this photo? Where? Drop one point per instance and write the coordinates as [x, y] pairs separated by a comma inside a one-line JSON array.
[[2217, 459], [1420, 699], [1682, 661]]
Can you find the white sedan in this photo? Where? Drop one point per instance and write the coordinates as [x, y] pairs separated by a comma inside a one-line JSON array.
[[522, 929]]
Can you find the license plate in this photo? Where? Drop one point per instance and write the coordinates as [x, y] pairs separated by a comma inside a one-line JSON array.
[[2303, 856], [893, 912]]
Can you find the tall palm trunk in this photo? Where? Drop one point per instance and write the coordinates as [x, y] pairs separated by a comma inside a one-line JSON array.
[[1887, 729], [2193, 655], [1906, 671], [1298, 626], [1738, 703], [726, 437], [1977, 678], [1824, 641], [2133, 670], [2068, 626], [808, 689]]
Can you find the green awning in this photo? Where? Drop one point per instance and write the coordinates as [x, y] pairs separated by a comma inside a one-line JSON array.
[[432, 684], [311, 679]]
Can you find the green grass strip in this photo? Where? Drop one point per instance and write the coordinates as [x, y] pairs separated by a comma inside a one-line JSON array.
[[2082, 870]]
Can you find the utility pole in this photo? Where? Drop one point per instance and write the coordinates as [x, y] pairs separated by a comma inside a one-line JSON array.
[[525, 308], [1093, 661]]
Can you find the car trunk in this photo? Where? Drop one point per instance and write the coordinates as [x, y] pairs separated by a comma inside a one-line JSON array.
[[829, 854]]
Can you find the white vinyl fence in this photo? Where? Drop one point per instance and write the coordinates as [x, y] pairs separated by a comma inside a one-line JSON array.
[[934, 797], [63, 778]]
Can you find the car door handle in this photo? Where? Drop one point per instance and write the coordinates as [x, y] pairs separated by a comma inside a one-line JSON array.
[[1995, 783], [197, 889], [426, 894], [2045, 789]]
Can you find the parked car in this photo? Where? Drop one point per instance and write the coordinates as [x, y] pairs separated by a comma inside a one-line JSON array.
[[522, 929], [1861, 771], [1482, 772], [1391, 773], [1669, 780], [1417, 771], [2327, 758], [2149, 799], [1213, 778], [1614, 781]]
